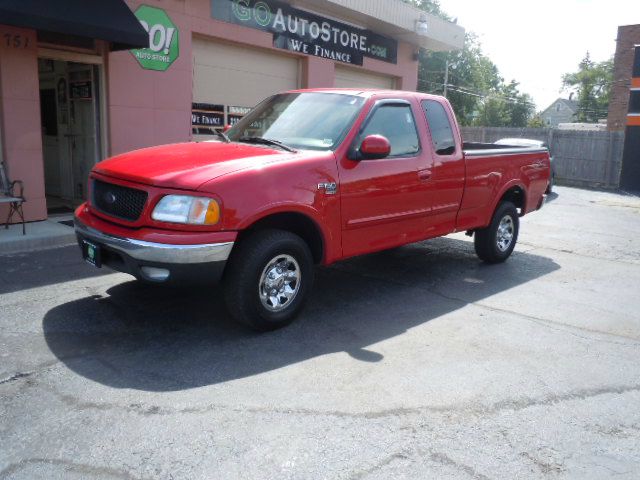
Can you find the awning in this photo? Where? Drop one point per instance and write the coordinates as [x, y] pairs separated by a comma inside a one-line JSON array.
[[109, 20]]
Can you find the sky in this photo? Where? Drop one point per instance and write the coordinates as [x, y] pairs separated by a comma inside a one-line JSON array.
[[536, 42]]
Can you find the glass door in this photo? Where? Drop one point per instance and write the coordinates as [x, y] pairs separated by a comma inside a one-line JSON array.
[[70, 117]]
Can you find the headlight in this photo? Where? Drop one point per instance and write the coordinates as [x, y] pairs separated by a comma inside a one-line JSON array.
[[187, 209]]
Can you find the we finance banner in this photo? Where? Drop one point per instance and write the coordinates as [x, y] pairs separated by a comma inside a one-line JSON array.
[[307, 33]]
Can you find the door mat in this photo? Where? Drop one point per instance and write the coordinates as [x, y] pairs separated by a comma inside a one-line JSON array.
[[56, 210]]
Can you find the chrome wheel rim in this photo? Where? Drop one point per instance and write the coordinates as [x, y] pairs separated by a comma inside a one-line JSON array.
[[504, 236], [279, 283]]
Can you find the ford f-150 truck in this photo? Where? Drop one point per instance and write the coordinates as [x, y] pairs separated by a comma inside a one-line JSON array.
[[307, 177]]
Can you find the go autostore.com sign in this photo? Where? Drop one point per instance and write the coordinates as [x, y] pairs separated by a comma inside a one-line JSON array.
[[307, 33]]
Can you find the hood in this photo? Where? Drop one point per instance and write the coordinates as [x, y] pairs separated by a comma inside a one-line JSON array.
[[188, 165]]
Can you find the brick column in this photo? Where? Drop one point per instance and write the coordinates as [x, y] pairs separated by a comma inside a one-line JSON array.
[[630, 174]]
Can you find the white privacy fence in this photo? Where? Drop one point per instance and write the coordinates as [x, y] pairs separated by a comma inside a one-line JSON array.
[[582, 158]]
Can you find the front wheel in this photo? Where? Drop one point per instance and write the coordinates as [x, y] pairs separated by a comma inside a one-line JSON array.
[[495, 243], [268, 279]]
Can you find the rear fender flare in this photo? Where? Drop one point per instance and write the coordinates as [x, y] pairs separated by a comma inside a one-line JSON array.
[[505, 188]]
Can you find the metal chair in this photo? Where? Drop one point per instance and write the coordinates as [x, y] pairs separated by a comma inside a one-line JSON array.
[[9, 195]]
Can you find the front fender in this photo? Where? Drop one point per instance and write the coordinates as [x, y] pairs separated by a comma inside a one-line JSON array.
[[283, 187], [282, 207]]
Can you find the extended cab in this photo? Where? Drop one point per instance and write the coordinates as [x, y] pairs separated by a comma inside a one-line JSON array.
[[307, 177]]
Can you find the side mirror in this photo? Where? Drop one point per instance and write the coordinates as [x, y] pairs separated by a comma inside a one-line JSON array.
[[226, 128], [374, 147], [450, 150]]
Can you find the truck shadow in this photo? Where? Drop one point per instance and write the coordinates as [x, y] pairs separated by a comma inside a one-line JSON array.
[[21, 271], [160, 339]]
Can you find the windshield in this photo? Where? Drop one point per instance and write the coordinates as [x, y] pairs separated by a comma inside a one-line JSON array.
[[307, 121]]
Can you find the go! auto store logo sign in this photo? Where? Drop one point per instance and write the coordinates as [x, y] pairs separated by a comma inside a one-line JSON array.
[[164, 46]]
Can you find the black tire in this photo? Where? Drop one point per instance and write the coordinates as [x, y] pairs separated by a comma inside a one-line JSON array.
[[489, 246], [247, 264]]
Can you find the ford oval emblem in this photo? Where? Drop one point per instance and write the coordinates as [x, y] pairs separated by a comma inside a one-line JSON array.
[[110, 198]]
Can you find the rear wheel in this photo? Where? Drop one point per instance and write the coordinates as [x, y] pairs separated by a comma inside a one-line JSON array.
[[552, 181], [495, 243], [268, 278]]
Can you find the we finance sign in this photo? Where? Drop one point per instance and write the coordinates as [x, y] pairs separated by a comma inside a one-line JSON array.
[[304, 32]]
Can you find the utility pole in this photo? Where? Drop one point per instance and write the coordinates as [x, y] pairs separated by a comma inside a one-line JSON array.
[[446, 77]]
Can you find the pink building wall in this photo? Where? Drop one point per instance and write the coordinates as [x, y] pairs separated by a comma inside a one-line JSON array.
[[150, 108], [147, 107], [20, 118], [144, 107]]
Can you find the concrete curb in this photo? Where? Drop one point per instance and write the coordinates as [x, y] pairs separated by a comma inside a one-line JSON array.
[[40, 235], [32, 244]]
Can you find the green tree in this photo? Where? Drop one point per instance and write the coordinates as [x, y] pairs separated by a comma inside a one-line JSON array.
[[509, 108], [475, 88], [492, 114], [471, 77], [537, 122], [592, 84], [430, 6], [519, 107]]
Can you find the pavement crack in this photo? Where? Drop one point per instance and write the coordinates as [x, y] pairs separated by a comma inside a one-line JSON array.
[[582, 255], [542, 321], [565, 328], [545, 322], [402, 455], [16, 376], [44, 367], [515, 404], [79, 468], [450, 462], [585, 394]]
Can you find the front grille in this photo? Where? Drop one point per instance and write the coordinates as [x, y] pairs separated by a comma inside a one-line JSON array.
[[118, 201]]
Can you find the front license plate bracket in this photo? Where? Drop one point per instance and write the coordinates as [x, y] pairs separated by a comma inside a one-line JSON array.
[[92, 254]]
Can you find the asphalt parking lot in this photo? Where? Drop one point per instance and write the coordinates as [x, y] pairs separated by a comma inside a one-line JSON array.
[[419, 362]]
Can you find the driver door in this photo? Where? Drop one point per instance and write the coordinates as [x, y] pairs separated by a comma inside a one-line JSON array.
[[383, 201]]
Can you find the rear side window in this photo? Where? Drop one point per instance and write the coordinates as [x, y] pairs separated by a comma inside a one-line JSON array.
[[441, 131], [396, 123]]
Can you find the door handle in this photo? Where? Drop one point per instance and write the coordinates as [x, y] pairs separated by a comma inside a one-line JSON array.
[[424, 175]]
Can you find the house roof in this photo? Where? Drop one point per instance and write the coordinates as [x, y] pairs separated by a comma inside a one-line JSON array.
[[571, 104]]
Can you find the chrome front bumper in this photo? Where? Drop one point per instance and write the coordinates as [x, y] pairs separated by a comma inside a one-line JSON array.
[[157, 262], [157, 252]]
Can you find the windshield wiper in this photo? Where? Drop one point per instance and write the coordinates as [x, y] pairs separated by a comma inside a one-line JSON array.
[[223, 135], [267, 141]]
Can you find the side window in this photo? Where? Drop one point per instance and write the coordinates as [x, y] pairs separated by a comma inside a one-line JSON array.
[[441, 131], [396, 123]]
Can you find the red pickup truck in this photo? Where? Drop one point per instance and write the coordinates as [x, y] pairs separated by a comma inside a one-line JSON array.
[[307, 177]]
